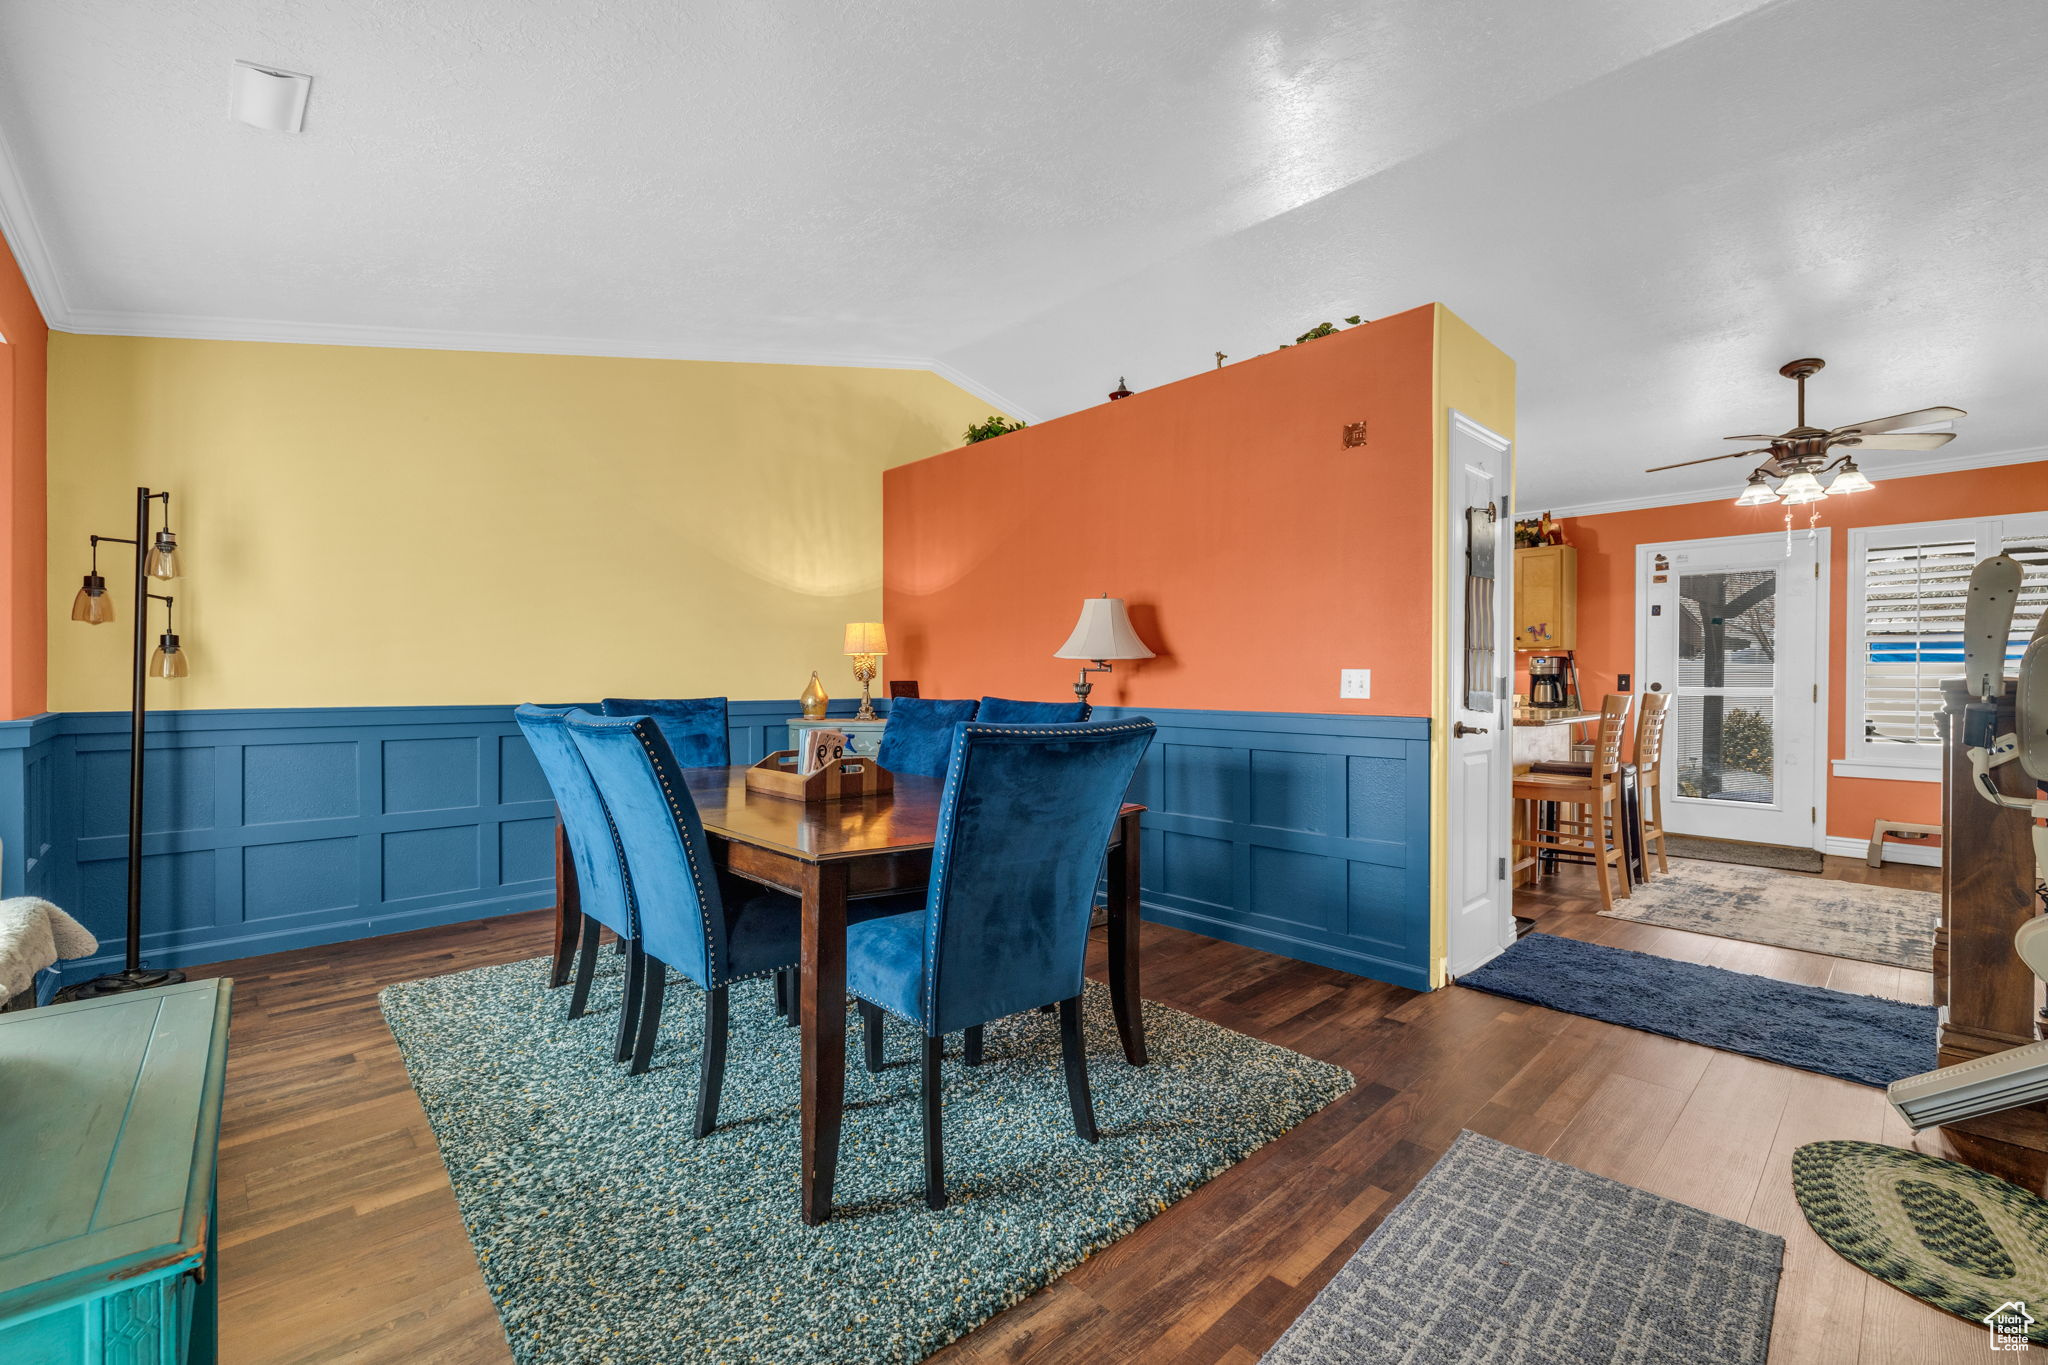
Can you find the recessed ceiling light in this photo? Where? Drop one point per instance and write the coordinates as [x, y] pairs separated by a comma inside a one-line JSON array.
[[265, 97]]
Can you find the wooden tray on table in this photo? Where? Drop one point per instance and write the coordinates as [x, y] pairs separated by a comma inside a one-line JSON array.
[[853, 775]]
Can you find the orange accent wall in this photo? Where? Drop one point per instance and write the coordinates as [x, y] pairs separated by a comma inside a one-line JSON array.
[[23, 642], [1607, 551], [1257, 553]]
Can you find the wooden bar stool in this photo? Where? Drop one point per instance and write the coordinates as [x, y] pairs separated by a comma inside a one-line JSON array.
[[1596, 831], [1649, 763]]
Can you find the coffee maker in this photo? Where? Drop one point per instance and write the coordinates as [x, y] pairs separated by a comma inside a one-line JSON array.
[[1547, 682]]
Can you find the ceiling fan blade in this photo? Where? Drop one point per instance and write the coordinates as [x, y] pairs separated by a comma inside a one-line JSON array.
[[1924, 417], [1732, 455], [1897, 440], [1758, 437]]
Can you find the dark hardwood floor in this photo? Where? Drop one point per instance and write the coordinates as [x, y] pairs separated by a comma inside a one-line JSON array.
[[340, 1239]]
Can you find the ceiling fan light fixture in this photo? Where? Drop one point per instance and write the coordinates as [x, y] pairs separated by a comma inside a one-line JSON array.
[[1801, 487], [1758, 492], [1850, 479]]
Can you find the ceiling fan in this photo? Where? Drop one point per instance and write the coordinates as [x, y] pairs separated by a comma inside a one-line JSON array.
[[1798, 457]]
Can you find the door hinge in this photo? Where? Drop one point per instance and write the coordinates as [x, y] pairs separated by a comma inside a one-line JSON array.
[[1816, 691], [1502, 874], [1813, 815]]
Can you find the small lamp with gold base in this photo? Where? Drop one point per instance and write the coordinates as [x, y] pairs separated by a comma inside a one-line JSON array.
[[865, 643]]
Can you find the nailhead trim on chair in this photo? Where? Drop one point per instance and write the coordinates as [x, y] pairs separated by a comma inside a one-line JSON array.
[[955, 763], [639, 725]]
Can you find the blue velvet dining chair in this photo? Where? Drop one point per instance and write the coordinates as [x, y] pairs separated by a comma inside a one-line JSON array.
[[1025, 816], [919, 735], [605, 896], [695, 727], [1003, 711], [715, 929]]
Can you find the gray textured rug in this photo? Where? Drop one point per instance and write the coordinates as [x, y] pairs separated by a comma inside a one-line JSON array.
[[1502, 1257], [606, 1233], [1814, 914], [1751, 855]]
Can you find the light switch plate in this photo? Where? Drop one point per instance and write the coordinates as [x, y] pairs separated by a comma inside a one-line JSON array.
[[1354, 684]]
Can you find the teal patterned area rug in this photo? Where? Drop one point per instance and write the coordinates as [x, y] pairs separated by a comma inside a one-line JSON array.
[[606, 1233]]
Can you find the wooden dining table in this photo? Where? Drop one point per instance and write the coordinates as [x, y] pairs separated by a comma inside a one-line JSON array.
[[826, 854]]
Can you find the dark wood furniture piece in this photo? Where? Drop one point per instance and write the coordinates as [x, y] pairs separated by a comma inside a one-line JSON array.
[[1987, 893], [826, 854]]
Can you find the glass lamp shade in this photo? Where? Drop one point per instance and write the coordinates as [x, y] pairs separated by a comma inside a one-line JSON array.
[[92, 605], [1850, 479], [1801, 487], [169, 660], [1757, 493], [865, 637], [162, 561]]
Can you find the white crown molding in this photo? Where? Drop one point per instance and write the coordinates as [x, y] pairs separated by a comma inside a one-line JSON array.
[[1015, 411], [25, 239], [1900, 469], [109, 323]]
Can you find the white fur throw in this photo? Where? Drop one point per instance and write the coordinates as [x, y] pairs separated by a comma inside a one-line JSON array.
[[33, 935]]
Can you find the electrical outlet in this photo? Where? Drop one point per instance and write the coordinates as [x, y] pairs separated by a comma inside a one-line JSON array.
[[1354, 684], [1621, 683]]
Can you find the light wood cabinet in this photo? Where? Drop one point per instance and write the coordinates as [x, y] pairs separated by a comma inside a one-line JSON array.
[[1547, 598]]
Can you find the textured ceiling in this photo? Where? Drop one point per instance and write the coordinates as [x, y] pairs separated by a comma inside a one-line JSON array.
[[1649, 205]]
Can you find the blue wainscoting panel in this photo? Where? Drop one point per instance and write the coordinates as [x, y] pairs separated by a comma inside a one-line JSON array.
[[1303, 835], [287, 828]]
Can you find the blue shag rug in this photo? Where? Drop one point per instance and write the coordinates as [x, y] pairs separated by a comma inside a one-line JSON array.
[[606, 1233], [1857, 1037]]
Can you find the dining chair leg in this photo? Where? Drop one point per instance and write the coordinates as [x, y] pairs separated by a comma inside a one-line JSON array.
[[971, 1049], [871, 1026], [782, 993], [711, 1077], [1078, 1096], [795, 1017], [586, 965], [1616, 824], [653, 984], [934, 1143], [629, 1007], [1595, 845]]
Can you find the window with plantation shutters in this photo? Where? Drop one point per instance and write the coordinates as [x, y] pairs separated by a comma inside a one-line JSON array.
[[1909, 586]]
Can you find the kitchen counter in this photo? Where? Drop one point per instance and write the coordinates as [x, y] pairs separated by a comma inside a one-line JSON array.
[[1556, 715]]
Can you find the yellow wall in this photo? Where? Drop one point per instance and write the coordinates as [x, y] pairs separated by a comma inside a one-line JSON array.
[[377, 527], [1477, 379]]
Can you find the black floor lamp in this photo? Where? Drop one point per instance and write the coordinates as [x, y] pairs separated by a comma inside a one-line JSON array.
[[155, 557]]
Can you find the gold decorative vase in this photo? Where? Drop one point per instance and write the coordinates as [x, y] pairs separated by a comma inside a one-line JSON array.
[[814, 698]]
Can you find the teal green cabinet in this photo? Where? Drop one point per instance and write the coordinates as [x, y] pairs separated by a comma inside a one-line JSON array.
[[109, 1130]]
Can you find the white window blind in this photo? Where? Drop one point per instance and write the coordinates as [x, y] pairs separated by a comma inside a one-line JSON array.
[[1912, 587], [1913, 635]]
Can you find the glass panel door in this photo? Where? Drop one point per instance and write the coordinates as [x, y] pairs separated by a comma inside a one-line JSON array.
[[1727, 681], [1732, 630]]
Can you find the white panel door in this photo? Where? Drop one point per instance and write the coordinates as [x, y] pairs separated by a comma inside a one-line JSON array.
[[1481, 775], [1735, 630]]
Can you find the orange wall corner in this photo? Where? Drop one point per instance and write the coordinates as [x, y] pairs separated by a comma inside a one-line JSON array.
[[23, 495], [1607, 543], [1258, 553]]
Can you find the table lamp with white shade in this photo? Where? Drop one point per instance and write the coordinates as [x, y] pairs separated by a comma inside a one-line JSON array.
[[1103, 633]]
